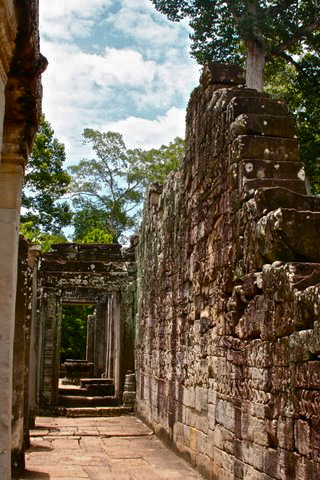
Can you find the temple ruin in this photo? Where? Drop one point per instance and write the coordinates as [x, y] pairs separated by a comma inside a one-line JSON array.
[[215, 305], [228, 338], [103, 275]]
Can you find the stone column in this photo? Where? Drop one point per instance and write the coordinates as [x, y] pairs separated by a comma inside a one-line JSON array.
[[117, 342], [11, 177], [33, 256], [51, 324], [109, 340], [90, 338], [20, 366], [99, 339], [2, 104]]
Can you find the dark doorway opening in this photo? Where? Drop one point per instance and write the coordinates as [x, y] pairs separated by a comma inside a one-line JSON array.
[[74, 331]]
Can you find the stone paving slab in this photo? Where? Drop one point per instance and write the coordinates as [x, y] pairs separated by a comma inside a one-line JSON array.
[[100, 448]]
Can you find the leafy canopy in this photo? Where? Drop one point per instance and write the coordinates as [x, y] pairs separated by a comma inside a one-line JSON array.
[[300, 88], [221, 29], [34, 235], [45, 184], [108, 190]]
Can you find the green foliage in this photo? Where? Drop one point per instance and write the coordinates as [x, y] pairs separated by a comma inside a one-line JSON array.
[[89, 218], [45, 183], [300, 88], [97, 235], [74, 331], [159, 162], [108, 190], [283, 33], [222, 28], [45, 240]]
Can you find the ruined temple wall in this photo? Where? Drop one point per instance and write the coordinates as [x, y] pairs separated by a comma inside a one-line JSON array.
[[228, 293], [20, 96]]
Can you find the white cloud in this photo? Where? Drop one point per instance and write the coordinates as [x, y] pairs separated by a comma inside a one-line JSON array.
[[143, 133], [67, 19], [146, 84], [79, 87], [144, 26]]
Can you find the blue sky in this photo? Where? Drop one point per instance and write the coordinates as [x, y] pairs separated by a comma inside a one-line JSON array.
[[114, 65]]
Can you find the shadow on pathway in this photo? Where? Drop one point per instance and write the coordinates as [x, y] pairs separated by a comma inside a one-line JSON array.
[[100, 448]]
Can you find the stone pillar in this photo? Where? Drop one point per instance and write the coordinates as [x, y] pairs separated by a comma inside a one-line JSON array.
[[109, 339], [20, 98], [117, 342], [99, 339], [2, 104], [33, 256], [20, 366], [10, 192], [90, 338], [51, 325]]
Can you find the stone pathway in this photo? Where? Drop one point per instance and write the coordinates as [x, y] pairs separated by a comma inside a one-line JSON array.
[[113, 448]]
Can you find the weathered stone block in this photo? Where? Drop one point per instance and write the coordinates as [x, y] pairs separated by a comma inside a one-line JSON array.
[[277, 239], [226, 74], [264, 148], [260, 124], [257, 105]]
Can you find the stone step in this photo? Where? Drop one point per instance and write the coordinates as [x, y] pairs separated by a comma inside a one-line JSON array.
[[84, 382], [113, 411], [87, 401], [91, 390]]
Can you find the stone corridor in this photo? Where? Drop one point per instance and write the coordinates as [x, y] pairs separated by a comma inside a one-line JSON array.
[[105, 448]]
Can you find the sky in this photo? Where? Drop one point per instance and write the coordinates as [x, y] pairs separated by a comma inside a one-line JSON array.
[[114, 65]]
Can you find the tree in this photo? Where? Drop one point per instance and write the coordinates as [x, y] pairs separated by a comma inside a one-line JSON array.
[[300, 88], [227, 30], [45, 184], [74, 331], [108, 190], [34, 235], [159, 162]]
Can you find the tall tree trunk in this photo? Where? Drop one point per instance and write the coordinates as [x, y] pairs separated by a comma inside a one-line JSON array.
[[256, 59]]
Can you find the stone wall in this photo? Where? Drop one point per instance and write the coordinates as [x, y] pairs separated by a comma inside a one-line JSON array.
[[20, 95], [228, 332]]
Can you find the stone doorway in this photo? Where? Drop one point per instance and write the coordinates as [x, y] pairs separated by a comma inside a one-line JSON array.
[[98, 275], [77, 343]]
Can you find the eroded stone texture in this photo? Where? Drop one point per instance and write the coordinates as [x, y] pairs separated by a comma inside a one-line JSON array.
[[20, 96], [228, 294], [102, 275], [24, 355]]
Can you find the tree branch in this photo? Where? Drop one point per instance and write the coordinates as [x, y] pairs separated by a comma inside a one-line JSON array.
[[291, 60], [79, 193], [299, 35], [280, 7]]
